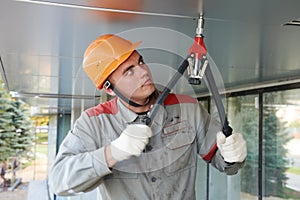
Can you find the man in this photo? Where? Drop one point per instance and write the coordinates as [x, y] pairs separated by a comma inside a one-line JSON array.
[[3, 169], [111, 150]]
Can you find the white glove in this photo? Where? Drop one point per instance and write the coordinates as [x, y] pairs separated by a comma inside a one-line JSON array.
[[131, 142], [232, 148]]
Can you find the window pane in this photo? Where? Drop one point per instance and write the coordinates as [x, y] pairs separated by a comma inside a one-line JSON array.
[[243, 115], [281, 136]]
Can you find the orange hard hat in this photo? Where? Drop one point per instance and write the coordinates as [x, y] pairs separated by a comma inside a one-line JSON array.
[[104, 55]]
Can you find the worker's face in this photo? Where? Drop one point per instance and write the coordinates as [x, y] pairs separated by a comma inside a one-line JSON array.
[[133, 78]]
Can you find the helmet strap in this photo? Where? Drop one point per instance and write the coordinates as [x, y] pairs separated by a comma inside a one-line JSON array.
[[108, 85]]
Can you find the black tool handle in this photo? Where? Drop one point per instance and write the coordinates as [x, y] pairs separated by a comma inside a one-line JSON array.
[[227, 130]]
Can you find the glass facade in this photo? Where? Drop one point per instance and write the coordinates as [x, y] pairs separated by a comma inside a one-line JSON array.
[[270, 124], [281, 133], [243, 115]]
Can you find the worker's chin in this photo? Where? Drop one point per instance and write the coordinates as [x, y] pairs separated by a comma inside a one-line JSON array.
[[143, 92], [150, 89]]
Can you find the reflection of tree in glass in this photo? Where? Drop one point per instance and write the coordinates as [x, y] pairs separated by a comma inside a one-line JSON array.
[[274, 139], [247, 121], [245, 118], [275, 155]]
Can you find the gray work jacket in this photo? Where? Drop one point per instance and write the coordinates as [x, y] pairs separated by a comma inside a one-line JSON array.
[[182, 130]]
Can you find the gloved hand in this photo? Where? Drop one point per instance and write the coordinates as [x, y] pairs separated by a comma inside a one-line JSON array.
[[232, 148], [131, 142]]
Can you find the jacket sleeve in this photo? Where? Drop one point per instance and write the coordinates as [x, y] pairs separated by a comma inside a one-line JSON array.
[[207, 145], [80, 164]]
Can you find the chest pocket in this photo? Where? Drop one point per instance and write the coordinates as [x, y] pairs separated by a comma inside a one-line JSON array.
[[181, 153]]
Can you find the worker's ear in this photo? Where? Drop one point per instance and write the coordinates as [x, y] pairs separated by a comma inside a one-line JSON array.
[[109, 91]]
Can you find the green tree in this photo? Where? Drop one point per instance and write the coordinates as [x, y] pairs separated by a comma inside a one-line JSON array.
[[244, 119], [275, 159], [16, 129], [249, 175], [7, 130]]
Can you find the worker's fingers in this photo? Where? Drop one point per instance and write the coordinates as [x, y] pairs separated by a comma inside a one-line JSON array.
[[233, 149], [221, 139], [138, 131]]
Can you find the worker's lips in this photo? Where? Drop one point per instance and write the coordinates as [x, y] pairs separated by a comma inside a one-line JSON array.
[[147, 83]]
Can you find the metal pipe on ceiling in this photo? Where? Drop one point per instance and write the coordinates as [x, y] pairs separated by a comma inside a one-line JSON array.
[[76, 6]]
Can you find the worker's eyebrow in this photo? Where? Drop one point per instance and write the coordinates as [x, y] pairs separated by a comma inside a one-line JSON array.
[[133, 65], [127, 68]]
